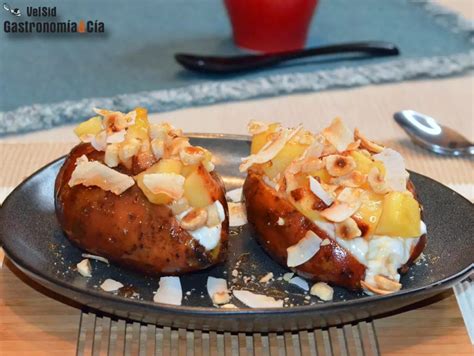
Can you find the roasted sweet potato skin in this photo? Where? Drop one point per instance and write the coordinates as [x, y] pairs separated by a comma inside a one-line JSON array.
[[332, 263], [128, 229]]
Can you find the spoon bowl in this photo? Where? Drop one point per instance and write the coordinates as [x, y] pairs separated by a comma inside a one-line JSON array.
[[427, 133]]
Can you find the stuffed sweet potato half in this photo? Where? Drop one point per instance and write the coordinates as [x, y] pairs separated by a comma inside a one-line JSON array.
[[141, 196], [333, 207]]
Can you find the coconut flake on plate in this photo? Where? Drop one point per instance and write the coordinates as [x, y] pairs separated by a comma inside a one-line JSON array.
[[319, 191], [95, 257], [338, 134], [395, 173], [94, 173], [84, 268], [111, 285], [304, 250], [229, 306], [234, 195], [237, 214], [323, 291], [299, 282], [254, 300], [169, 291], [287, 276], [217, 290]]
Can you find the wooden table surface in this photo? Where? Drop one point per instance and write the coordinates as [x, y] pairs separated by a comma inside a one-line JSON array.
[[33, 323]]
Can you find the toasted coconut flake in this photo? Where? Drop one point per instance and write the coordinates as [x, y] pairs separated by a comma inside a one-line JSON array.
[[254, 300], [177, 145], [353, 145], [339, 212], [348, 229], [312, 164], [190, 155], [339, 135], [319, 191], [111, 285], [367, 144], [208, 165], [215, 214], [315, 150], [169, 291], [158, 148], [129, 149], [171, 184], [95, 257], [395, 173], [94, 173], [255, 127], [237, 214], [304, 250], [354, 179], [338, 165], [386, 283], [234, 195], [323, 291], [99, 141], [194, 219], [111, 157], [160, 131], [116, 137], [84, 268], [217, 290], [115, 120], [377, 181], [300, 283], [270, 149], [369, 287]]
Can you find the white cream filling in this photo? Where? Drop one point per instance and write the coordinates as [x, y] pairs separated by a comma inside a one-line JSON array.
[[208, 237], [380, 254]]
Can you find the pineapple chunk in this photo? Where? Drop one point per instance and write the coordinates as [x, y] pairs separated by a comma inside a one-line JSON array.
[[282, 160], [369, 212], [363, 163], [400, 216], [259, 140], [198, 188], [139, 129], [89, 127], [163, 166], [322, 174]]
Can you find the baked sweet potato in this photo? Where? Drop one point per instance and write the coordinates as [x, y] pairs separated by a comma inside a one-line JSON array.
[[139, 228], [298, 190]]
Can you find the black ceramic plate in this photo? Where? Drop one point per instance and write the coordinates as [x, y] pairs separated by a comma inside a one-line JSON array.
[[34, 242]]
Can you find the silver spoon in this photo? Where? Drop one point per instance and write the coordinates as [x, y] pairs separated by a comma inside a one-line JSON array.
[[426, 132]]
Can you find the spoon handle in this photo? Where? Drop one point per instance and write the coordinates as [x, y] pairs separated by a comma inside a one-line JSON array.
[[223, 65]]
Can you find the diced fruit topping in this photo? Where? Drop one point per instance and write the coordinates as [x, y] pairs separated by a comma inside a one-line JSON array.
[[336, 176]]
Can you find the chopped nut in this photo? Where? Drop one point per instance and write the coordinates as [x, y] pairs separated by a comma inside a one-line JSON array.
[[287, 276], [338, 165], [377, 181], [111, 285], [221, 298], [348, 229], [323, 291], [367, 144], [281, 221], [235, 273], [194, 219], [266, 277], [374, 289]]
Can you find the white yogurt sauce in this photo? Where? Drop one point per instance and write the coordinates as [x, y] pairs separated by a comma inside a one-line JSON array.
[[380, 254]]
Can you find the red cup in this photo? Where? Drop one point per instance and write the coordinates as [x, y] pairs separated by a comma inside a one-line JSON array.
[[270, 25]]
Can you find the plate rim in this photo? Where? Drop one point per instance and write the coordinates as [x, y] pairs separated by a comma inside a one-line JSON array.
[[37, 274]]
